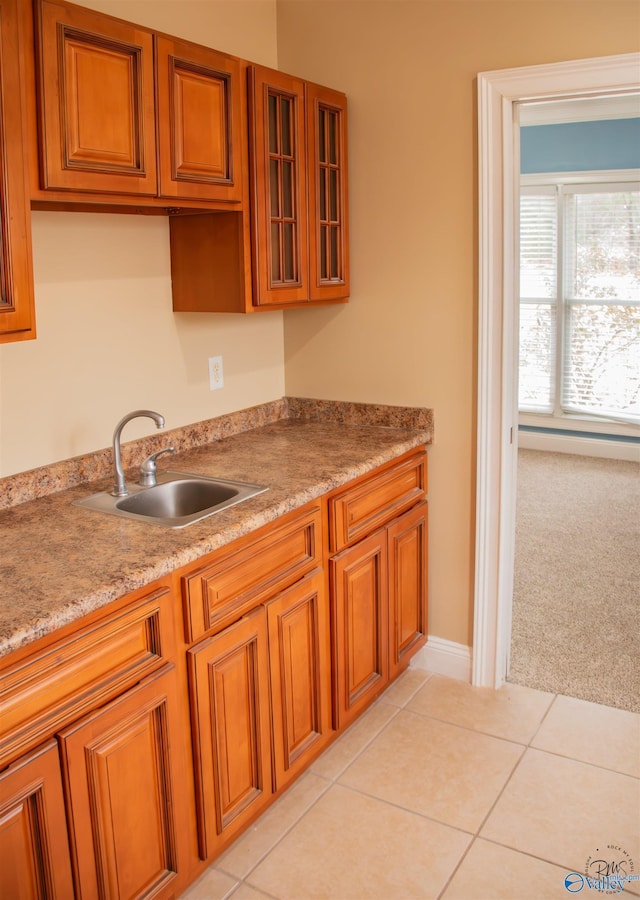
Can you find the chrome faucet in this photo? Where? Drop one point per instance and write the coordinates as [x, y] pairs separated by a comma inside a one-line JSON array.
[[119, 485], [148, 469]]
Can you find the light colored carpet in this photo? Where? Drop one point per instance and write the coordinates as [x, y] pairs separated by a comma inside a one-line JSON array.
[[576, 608]]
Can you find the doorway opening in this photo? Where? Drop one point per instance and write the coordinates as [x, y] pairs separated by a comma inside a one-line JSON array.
[[499, 93]]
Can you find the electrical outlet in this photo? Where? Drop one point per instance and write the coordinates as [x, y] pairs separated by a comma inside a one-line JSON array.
[[216, 375]]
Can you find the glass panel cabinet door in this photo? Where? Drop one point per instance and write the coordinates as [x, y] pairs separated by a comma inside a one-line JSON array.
[[328, 214], [279, 194]]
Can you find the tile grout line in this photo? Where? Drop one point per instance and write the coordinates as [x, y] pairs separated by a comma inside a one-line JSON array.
[[476, 835], [330, 782]]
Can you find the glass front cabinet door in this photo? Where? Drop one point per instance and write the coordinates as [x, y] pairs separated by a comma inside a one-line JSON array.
[[299, 190]]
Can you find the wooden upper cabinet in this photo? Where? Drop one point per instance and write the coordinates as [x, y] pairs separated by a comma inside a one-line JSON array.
[[201, 121], [327, 187], [17, 319], [130, 114], [279, 187], [97, 103], [298, 145]]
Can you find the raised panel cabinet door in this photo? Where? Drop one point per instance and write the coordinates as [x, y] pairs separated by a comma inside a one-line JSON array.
[[279, 187], [229, 683], [17, 318], [34, 849], [201, 132], [97, 104], [407, 539], [124, 790], [328, 205], [300, 654], [360, 612]]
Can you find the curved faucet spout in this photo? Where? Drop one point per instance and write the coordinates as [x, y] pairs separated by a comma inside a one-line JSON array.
[[119, 485]]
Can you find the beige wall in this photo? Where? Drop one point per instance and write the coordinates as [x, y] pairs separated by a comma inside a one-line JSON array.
[[408, 336], [108, 341]]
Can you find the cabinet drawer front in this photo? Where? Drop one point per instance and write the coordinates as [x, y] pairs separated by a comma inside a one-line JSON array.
[[53, 687], [374, 502], [220, 592]]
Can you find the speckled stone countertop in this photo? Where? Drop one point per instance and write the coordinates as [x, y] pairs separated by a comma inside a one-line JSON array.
[[61, 561]]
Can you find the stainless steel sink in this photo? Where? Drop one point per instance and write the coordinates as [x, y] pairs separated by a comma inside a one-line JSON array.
[[178, 499]]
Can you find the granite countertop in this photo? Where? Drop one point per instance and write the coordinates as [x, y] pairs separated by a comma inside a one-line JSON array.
[[61, 561]]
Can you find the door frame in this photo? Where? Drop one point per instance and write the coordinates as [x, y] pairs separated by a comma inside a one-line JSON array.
[[499, 92]]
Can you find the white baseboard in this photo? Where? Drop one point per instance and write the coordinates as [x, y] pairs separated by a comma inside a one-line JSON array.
[[560, 443], [444, 658]]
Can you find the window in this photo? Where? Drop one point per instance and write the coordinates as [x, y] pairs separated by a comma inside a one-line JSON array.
[[580, 300]]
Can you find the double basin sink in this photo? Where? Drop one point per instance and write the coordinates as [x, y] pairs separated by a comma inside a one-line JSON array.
[[178, 499]]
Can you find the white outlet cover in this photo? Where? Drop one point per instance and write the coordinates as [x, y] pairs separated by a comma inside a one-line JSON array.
[[216, 373]]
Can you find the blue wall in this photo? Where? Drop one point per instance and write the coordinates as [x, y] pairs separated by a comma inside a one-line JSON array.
[[580, 146]]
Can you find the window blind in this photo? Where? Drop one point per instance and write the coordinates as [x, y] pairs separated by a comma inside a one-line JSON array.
[[602, 289], [580, 301], [538, 300]]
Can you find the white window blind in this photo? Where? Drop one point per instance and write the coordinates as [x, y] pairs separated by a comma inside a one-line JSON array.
[[538, 299], [580, 301], [602, 289]]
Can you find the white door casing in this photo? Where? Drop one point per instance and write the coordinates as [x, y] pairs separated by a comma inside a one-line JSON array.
[[498, 160]]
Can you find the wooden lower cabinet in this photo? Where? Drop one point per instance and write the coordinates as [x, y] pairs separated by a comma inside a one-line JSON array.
[[300, 668], [229, 684], [34, 850], [361, 633], [407, 551], [122, 782], [99, 799], [379, 596]]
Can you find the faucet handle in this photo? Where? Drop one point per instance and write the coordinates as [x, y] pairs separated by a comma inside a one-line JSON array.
[[148, 469]]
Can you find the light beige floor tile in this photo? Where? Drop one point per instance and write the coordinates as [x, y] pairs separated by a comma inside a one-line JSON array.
[[246, 892], [213, 885], [335, 760], [592, 733], [565, 811], [512, 712], [250, 847], [445, 772], [402, 690], [352, 847], [491, 872]]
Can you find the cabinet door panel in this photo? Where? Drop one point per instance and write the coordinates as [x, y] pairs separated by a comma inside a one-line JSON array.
[[97, 102], [17, 319], [34, 851], [122, 784], [328, 208], [277, 141], [200, 115], [359, 589], [229, 680], [299, 653], [407, 586]]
